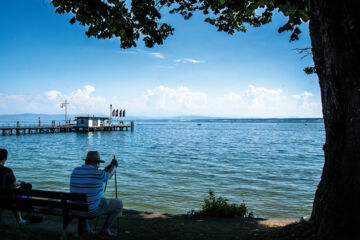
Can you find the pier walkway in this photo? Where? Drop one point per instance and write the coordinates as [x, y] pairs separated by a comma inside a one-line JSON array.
[[38, 128]]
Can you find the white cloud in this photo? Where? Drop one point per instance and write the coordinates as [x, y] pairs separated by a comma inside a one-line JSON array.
[[128, 52], [261, 91], [188, 60], [139, 51], [166, 66], [157, 55], [18, 103], [53, 95], [16, 97], [302, 97], [262, 103], [81, 101], [256, 102], [163, 100]]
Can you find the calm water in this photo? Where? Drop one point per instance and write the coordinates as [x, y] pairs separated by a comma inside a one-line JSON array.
[[170, 166]]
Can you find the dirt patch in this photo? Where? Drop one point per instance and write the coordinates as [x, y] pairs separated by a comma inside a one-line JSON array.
[[278, 222]]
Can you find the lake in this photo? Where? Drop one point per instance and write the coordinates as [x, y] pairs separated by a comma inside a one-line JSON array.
[[273, 166]]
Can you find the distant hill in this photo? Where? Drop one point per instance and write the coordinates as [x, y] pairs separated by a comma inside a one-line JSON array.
[[47, 118], [30, 117]]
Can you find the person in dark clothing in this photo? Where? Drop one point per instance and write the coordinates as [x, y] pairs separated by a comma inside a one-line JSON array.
[[8, 180], [7, 177]]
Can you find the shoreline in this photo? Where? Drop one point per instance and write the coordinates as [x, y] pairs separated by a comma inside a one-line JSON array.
[[269, 222]]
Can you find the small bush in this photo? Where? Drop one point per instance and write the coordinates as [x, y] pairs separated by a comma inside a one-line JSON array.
[[219, 207]]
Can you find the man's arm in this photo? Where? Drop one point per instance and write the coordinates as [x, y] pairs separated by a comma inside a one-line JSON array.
[[11, 182], [10, 179], [15, 184], [111, 168]]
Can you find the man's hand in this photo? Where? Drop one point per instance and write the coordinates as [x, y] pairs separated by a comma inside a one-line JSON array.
[[15, 184], [115, 162], [25, 185], [111, 168]]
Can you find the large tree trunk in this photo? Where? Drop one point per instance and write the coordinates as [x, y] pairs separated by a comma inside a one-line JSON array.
[[335, 33]]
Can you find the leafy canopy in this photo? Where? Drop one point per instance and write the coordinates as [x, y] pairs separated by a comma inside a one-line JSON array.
[[130, 20]]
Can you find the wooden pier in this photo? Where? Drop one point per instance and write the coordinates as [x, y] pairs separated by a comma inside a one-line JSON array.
[[17, 128]]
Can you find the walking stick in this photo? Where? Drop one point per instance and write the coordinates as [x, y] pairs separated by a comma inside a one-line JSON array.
[[116, 195], [105, 187]]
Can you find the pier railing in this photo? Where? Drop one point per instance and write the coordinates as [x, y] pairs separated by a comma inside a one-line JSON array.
[[32, 124], [18, 128]]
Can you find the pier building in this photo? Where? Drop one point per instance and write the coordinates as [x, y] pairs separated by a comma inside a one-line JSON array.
[[83, 124], [93, 121]]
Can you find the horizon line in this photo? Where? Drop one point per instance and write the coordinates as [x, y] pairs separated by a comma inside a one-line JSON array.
[[165, 117]]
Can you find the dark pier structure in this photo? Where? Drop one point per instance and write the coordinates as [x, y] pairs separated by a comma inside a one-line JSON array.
[[17, 128]]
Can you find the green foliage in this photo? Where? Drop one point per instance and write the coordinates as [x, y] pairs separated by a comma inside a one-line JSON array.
[[310, 70], [130, 20], [306, 52], [219, 207], [113, 18], [233, 15]]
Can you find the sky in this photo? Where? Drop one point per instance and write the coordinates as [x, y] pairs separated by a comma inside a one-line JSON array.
[[44, 60]]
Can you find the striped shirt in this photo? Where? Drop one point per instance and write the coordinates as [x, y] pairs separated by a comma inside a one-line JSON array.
[[87, 179]]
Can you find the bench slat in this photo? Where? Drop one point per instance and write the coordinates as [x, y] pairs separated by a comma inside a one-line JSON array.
[[23, 204], [45, 194]]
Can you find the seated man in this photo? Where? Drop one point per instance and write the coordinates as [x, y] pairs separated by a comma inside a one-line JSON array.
[[8, 180], [89, 179]]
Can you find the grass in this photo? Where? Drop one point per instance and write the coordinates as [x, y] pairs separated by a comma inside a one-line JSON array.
[[216, 220], [191, 228], [138, 228]]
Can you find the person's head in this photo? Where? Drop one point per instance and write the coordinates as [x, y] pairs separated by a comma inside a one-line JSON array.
[[3, 156], [93, 158]]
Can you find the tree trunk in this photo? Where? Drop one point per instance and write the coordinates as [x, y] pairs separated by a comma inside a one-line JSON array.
[[334, 30]]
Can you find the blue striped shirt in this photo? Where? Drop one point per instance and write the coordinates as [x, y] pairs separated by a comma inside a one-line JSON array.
[[87, 179]]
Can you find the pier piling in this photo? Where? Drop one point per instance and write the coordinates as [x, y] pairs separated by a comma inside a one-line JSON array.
[[132, 126], [39, 128]]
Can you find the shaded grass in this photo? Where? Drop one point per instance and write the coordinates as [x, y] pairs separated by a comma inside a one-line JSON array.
[[13, 232], [183, 229], [133, 228]]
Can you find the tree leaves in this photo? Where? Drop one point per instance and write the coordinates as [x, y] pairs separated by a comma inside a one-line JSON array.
[[114, 18], [310, 70]]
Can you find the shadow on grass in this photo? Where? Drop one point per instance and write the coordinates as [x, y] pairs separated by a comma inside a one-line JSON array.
[[168, 227]]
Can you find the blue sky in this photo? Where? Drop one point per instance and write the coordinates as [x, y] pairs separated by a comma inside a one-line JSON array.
[[198, 71]]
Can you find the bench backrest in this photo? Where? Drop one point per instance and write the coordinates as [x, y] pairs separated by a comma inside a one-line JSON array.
[[21, 199]]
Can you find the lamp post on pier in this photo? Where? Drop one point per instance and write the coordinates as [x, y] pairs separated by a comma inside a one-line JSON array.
[[111, 114], [64, 105]]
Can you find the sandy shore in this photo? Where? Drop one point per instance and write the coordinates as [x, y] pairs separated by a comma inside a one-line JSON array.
[[271, 222]]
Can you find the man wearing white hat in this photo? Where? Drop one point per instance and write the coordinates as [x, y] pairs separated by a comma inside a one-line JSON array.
[[89, 179]]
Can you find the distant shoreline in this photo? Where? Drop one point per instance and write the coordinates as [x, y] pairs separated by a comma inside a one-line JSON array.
[[30, 117]]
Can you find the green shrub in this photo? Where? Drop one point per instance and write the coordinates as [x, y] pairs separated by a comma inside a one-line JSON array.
[[219, 207]]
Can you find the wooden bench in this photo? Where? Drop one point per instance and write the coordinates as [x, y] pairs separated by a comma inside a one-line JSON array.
[[45, 202]]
